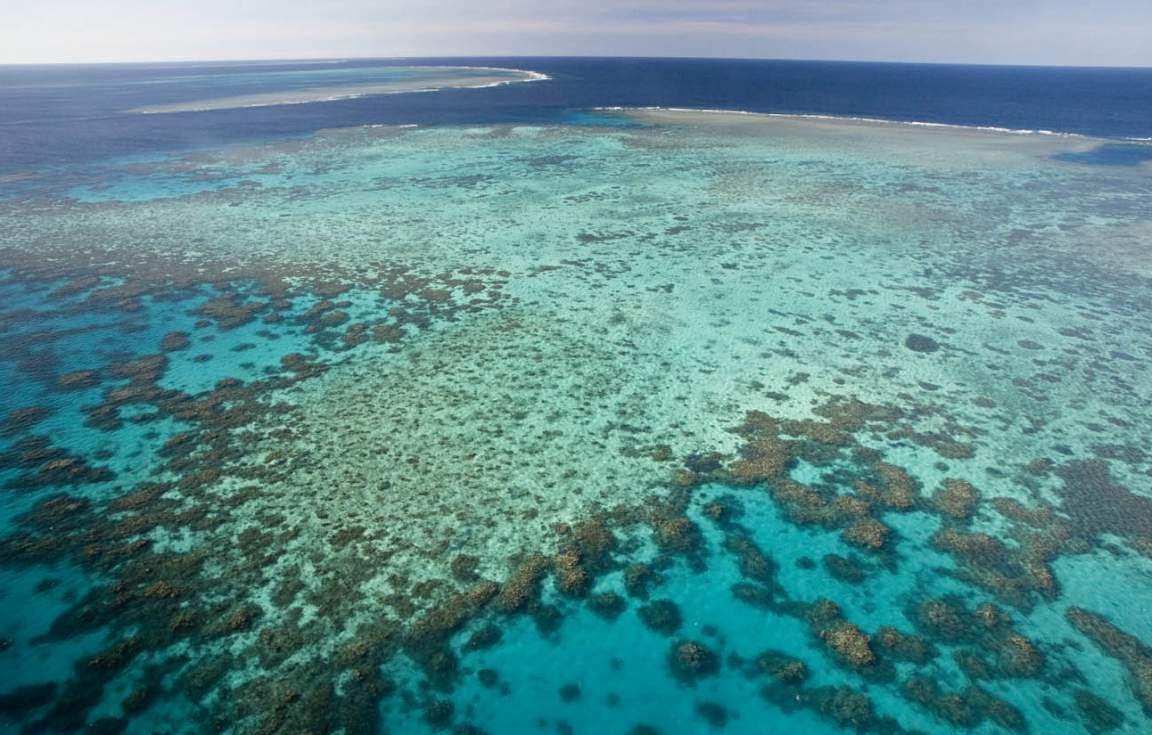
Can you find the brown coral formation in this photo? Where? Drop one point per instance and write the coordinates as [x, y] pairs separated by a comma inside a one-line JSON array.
[[897, 490], [967, 708], [586, 551], [607, 605], [229, 310], [692, 660], [523, 585], [781, 667], [754, 563], [661, 616], [21, 420], [903, 646], [431, 631], [867, 533], [45, 465], [1097, 714], [943, 619], [638, 578], [677, 535], [764, 457], [850, 644], [956, 499], [155, 600], [803, 504], [78, 379], [1018, 656], [841, 705], [141, 370], [175, 341], [1014, 510], [980, 549], [991, 617], [844, 706], [570, 575], [847, 569], [1016, 575]]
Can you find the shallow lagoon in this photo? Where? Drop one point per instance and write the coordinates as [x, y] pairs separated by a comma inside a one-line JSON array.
[[702, 420]]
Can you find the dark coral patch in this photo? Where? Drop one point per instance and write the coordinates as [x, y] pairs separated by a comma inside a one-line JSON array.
[[661, 616], [1098, 504], [1134, 654], [921, 343], [692, 660]]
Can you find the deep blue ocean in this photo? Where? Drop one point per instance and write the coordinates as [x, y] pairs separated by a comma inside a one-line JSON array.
[[64, 113]]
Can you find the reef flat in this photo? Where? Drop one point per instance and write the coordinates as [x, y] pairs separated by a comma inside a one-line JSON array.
[[664, 422]]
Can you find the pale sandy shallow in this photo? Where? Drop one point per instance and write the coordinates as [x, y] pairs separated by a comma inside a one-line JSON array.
[[914, 142], [450, 80]]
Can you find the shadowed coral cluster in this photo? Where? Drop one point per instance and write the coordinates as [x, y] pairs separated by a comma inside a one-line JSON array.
[[692, 660], [966, 708], [781, 667], [841, 705], [661, 616], [1129, 650], [903, 646]]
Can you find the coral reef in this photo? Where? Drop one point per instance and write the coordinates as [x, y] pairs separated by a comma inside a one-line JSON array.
[[842, 705], [956, 499], [607, 605], [661, 616], [967, 708], [867, 533], [677, 535], [845, 568], [783, 668], [175, 341], [78, 379], [754, 564], [637, 579], [1097, 713], [692, 660], [715, 714], [1129, 650], [850, 644], [21, 420], [903, 646], [238, 559], [523, 584]]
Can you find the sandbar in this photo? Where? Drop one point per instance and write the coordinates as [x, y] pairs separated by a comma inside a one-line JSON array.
[[450, 78]]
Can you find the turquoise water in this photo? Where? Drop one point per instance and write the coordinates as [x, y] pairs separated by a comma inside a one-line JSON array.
[[651, 419]]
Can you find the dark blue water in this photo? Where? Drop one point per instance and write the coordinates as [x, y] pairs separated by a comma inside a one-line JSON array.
[[65, 113]]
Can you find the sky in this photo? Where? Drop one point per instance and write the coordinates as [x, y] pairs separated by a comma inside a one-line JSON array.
[[1072, 32]]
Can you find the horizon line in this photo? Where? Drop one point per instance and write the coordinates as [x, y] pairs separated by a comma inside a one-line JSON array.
[[340, 59]]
